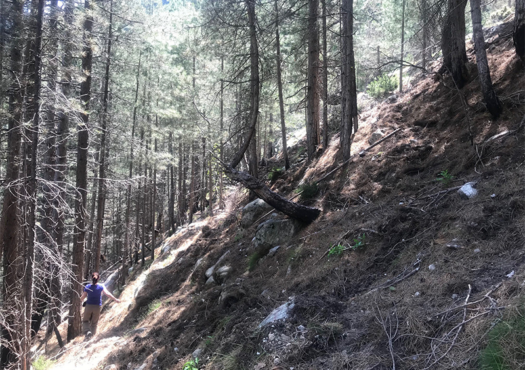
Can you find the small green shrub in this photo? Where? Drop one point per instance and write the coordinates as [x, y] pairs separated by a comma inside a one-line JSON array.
[[505, 348], [275, 173], [445, 177], [307, 190], [42, 363], [359, 242], [336, 250], [191, 365], [382, 86]]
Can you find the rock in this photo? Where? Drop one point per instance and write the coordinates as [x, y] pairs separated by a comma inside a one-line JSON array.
[[165, 248], [275, 232], [111, 367], [301, 328], [271, 336], [455, 296], [510, 274], [222, 273], [280, 313], [289, 270], [198, 263], [211, 270], [252, 211], [231, 296], [137, 331], [477, 250], [391, 99], [417, 294], [197, 353], [432, 267], [210, 281], [467, 191], [274, 250], [375, 137]]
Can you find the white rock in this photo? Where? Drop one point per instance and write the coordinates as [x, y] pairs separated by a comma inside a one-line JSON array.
[[210, 281], [510, 274], [280, 313], [477, 250], [467, 191], [417, 294], [271, 336], [301, 328], [432, 267], [197, 353], [111, 367], [455, 296], [274, 250]]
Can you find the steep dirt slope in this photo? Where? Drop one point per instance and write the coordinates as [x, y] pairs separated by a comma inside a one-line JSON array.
[[432, 275]]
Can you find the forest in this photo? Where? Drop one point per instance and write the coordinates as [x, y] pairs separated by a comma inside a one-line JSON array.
[[123, 121]]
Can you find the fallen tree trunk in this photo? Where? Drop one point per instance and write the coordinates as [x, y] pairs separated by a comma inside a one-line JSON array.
[[294, 210]]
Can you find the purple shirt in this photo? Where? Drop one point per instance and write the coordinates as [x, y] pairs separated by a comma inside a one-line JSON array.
[[94, 294]]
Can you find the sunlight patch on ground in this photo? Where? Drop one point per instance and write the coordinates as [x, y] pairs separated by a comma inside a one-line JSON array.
[[89, 355]]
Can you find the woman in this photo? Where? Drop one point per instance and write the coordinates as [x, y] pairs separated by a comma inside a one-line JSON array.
[[93, 292]]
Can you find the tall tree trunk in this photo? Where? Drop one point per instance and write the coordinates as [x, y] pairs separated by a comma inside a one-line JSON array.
[[60, 174], [519, 29], [348, 83], [10, 224], [171, 181], [402, 48], [32, 192], [312, 115], [453, 42], [193, 159], [74, 327], [221, 144], [280, 88], [325, 79], [153, 207], [425, 30], [101, 202], [46, 222], [491, 100], [182, 185], [127, 244]]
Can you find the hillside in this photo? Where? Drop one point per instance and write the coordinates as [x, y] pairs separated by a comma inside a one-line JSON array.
[[422, 278]]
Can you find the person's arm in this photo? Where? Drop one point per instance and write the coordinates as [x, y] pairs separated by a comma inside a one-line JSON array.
[[83, 296], [106, 292]]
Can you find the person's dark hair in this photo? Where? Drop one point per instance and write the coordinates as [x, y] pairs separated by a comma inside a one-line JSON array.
[[95, 276]]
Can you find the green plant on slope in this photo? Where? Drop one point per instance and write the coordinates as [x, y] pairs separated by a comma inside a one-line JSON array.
[[359, 242], [445, 177], [336, 250], [191, 365], [307, 190], [42, 363], [275, 173], [505, 348], [382, 85]]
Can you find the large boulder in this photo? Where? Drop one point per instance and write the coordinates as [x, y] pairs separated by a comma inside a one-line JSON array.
[[275, 232], [252, 211]]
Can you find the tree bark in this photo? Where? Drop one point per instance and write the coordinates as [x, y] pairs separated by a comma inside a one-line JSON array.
[[254, 85], [402, 47], [312, 115], [348, 82], [453, 42], [60, 174], [491, 100], [74, 327], [519, 29], [294, 210], [325, 78], [32, 192], [280, 88], [10, 226], [101, 202]]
